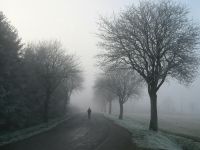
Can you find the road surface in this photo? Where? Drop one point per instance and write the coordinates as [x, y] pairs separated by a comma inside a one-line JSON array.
[[79, 133]]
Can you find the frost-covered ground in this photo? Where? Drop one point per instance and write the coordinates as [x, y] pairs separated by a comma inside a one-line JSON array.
[[188, 125], [138, 126], [28, 132]]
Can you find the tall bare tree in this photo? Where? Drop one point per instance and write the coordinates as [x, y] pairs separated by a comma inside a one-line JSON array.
[[156, 39], [54, 67]]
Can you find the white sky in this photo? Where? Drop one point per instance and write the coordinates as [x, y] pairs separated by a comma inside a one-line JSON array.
[[73, 22]]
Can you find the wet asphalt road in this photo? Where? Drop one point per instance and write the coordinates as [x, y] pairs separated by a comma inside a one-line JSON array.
[[79, 133]]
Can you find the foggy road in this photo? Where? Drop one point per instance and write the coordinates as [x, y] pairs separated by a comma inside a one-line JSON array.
[[79, 133]]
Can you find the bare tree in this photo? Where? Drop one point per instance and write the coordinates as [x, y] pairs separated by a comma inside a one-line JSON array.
[[54, 67], [157, 40], [123, 84], [72, 83], [103, 94]]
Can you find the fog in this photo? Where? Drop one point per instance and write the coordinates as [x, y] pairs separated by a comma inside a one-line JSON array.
[[74, 23]]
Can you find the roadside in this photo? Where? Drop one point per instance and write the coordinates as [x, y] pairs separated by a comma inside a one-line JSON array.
[[146, 139], [22, 134]]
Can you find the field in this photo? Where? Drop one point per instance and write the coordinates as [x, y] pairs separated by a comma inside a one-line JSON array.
[[186, 125]]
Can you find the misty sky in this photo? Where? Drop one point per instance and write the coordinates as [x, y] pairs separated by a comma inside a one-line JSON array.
[[74, 23]]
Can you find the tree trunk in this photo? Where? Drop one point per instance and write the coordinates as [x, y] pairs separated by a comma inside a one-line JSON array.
[[46, 108], [104, 106], [65, 106], [110, 107], [154, 117], [66, 103], [121, 110]]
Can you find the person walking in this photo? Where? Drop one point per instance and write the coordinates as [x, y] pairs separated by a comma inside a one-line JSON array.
[[89, 111]]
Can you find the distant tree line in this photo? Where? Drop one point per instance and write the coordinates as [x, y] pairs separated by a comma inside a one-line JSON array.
[[36, 79]]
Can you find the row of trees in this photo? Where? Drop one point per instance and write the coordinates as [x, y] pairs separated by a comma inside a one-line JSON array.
[[155, 39], [118, 85], [36, 79]]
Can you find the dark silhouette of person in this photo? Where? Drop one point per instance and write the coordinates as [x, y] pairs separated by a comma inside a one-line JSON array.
[[89, 111]]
